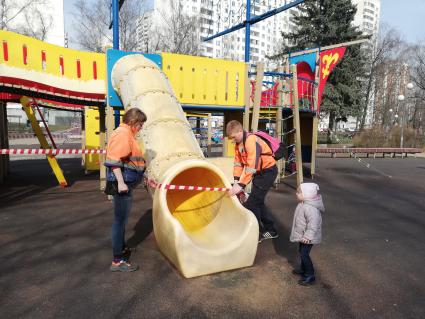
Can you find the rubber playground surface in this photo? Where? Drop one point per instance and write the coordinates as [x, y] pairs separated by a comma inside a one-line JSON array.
[[55, 251]]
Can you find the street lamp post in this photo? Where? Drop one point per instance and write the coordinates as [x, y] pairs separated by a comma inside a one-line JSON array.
[[401, 98]]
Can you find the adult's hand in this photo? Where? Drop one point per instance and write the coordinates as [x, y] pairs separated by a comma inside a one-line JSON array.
[[236, 188], [122, 187]]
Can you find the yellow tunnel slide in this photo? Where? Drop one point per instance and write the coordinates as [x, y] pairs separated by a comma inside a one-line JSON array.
[[200, 232]]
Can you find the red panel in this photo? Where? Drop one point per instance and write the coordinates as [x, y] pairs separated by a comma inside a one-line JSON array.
[[50, 89], [25, 54], [78, 69], [9, 96], [94, 70], [62, 68], [5, 51], [43, 60]]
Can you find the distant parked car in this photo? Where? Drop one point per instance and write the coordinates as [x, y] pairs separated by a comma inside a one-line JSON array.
[[216, 139]]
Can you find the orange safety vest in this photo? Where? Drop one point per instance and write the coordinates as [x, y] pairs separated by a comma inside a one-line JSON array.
[[123, 150], [251, 157]]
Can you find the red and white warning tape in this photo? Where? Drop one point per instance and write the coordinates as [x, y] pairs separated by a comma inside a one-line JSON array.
[[29, 151], [33, 135], [192, 188]]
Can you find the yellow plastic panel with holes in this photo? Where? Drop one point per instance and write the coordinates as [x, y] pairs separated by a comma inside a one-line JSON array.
[[92, 138], [92, 130], [205, 81], [30, 54]]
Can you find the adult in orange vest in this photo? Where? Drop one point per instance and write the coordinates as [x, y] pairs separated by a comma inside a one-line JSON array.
[[254, 162], [124, 160]]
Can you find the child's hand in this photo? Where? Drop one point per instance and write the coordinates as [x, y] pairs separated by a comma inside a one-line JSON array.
[[152, 183], [305, 240]]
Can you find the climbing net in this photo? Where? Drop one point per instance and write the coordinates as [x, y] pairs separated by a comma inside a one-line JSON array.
[[278, 93]]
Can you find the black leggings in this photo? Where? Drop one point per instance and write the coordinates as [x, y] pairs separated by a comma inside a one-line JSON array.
[[261, 184]]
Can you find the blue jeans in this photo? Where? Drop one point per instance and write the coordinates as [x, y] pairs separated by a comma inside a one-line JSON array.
[[122, 207], [306, 263]]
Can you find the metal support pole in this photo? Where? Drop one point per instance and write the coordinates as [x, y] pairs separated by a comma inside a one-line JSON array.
[[247, 30], [4, 142], [83, 135], [315, 124], [209, 135], [102, 144], [115, 24], [257, 97], [247, 98], [279, 123], [296, 112], [403, 115]]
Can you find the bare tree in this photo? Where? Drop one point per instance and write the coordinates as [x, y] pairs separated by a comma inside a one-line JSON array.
[[178, 32], [91, 23], [418, 117], [129, 15], [37, 24], [25, 17], [419, 69], [388, 46]]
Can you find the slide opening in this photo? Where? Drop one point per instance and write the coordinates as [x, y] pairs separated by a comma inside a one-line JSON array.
[[195, 209]]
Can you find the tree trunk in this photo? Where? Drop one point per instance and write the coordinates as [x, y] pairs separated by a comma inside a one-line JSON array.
[[331, 126], [364, 111]]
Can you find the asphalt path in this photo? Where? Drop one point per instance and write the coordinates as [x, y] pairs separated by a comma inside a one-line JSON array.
[[55, 251]]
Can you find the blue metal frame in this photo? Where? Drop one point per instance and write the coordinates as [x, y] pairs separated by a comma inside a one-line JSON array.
[[307, 80], [287, 75], [112, 56], [115, 24], [248, 31], [252, 20]]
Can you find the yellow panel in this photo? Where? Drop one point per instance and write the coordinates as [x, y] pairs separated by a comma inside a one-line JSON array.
[[92, 138], [16, 42], [229, 147], [205, 81]]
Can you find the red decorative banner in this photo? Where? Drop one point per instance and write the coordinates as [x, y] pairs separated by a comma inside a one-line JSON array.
[[328, 60]]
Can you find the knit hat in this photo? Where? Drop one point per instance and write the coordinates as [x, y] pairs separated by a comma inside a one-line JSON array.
[[309, 190]]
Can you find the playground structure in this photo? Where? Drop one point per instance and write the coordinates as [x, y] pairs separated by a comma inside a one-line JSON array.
[[186, 223], [70, 79]]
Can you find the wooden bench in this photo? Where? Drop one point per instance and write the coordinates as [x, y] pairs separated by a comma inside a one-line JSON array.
[[353, 151]]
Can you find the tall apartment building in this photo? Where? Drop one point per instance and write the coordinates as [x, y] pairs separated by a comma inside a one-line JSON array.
[[218, 15], [367, 19], [368, 16]]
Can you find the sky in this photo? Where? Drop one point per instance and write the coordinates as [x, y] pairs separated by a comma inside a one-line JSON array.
[[407, 16]]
